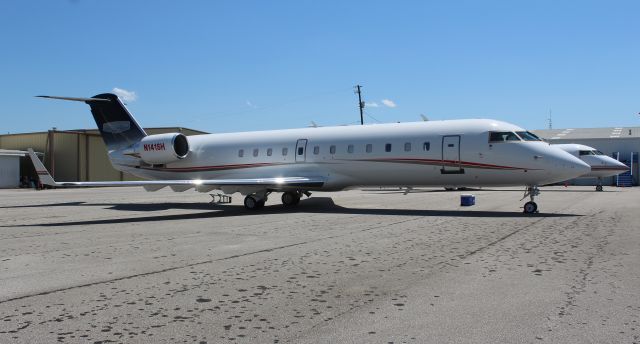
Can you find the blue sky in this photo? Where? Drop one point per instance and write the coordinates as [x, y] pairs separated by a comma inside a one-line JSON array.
[[224, 66]]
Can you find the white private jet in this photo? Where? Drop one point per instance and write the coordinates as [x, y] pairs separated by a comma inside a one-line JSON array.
[[476, 152], [601, 164]]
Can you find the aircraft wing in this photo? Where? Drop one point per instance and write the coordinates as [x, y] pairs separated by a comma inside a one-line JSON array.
[[47, 179]]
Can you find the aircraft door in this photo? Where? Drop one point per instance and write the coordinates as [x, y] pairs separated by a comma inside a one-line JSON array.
[[451, 155], [301, 150]]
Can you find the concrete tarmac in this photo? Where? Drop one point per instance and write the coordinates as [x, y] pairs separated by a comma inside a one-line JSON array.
[[370, 266]]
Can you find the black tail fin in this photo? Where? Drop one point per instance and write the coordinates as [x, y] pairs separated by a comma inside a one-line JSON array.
[[117, 126]]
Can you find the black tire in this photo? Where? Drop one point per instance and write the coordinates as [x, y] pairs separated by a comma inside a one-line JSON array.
[[598, 187], [290, 199], [251, 203], [261, 203], [530, 207]]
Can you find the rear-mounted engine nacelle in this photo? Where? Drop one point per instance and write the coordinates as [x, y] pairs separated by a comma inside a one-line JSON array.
[[163, 148]]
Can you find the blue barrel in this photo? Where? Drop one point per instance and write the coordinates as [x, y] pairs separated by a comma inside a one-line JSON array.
[[467, 200]]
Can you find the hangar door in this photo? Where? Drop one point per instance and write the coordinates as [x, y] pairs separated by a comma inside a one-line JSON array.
[[9, 171]]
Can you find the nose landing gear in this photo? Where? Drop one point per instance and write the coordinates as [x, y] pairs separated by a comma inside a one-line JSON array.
[[531, 207], [599, 185]]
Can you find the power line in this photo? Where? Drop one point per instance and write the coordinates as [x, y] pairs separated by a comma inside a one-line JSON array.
[[369, 115]]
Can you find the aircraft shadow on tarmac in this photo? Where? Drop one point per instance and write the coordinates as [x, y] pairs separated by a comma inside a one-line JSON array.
[[402, 191], [317, 205]]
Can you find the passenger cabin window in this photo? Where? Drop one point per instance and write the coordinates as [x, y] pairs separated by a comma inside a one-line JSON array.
[[407, 147], [369, 148], [256, 151], [503, 136], [316, 150], [285, 151], [269, 152], [300, 150], [350, 148], [387, 147], [332, 149], [528, 136], [426, 146], [241, 153]]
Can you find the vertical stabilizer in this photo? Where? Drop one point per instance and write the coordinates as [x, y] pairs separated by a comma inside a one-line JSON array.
[[116, 125]]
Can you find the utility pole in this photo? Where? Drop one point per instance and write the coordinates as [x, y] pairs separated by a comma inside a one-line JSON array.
[[360, 103], [550, 125]]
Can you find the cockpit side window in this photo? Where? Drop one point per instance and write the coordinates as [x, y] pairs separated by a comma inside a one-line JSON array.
[[503, 136], [528, 136], [588, 152]]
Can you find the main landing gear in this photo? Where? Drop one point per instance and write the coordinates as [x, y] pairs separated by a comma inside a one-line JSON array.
[[531, 206], [289, 199], [255, 201]]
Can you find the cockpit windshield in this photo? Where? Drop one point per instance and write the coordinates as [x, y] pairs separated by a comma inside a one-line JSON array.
[[503, 136], [528, 136], [590, 152]]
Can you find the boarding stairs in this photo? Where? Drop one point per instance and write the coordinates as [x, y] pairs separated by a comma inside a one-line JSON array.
[[624, 179]]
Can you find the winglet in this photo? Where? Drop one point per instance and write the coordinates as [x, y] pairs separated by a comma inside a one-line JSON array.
[[43, 174]]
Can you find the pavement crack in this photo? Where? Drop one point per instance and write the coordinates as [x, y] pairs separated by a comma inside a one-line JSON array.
[[209, 261]]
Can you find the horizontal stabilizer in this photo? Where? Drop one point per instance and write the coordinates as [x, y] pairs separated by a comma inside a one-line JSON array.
[[76, 99]]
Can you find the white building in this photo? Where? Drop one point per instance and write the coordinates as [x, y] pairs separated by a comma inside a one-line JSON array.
[[10, 168]]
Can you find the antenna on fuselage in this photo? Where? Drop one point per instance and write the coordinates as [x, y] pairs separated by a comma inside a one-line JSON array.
[[424, 118]]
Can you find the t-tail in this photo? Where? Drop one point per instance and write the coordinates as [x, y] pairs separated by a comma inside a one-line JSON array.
[[117, 126]]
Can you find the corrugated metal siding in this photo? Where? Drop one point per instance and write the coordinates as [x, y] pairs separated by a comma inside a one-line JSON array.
[[37, 141], [100, 168], [66, 157], [9, 171]]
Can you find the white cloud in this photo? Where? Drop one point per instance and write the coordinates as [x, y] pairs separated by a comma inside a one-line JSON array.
[[250, 104], [126, 96], [374, 104], [388, 103]]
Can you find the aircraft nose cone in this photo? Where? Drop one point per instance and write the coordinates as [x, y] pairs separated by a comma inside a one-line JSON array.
[[580, 166], [618, 164], [571, 166]]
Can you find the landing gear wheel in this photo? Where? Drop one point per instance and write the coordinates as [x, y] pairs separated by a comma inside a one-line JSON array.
[[530, 207], [260, 204], [251, 203], [290, 199], [598, 187]]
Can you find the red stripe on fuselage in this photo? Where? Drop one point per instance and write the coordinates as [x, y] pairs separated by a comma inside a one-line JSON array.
[[389, 160], [609, 168], [449, 163]]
